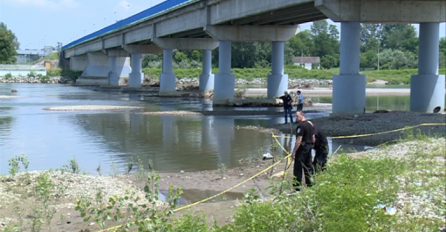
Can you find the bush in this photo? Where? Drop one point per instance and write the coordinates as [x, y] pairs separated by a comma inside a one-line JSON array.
[[44, 79], [54, 72], [73, 75], [52, 56], [32, 74]]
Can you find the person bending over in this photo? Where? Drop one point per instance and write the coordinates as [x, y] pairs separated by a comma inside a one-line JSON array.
[[287, 106]]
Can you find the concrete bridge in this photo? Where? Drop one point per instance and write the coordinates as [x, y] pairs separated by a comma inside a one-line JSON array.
[[115, 51]]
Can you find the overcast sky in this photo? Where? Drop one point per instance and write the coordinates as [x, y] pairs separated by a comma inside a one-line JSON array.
[[45, 22]]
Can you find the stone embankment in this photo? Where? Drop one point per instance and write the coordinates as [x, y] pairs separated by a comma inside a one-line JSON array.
[[302, 83], [36, 79], [182, 84]]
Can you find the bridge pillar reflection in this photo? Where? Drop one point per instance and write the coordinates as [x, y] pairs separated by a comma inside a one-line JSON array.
[[223, 128], [167, 78], [206, 77], [224, 80], [427, 88], [277, 81], [349, 87], [136, 76]]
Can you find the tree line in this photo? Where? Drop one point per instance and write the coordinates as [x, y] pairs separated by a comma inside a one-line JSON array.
[[383, 46]]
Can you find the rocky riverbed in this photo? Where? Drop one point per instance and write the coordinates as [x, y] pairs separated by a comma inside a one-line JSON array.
[[35, 79], [182, 83], [376, 128]]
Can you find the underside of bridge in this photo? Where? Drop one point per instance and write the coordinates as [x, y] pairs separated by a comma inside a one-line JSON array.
[[200, 24]]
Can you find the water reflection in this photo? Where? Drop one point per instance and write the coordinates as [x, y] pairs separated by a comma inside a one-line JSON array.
[[377, 102], [5, 128], [171, 143]]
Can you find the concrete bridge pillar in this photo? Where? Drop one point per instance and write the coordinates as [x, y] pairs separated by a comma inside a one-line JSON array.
[[224, 80], [427, 89], [206, 77], [349, 87], [136, 76], [113, 76], [277, 81], [168, 78]]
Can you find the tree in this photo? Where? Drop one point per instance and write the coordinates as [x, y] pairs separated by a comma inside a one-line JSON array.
[[371, 34], [442, 52], [301, 44], [251, 54], [8, 45], [396, 59], [401, 37], [326, 43]]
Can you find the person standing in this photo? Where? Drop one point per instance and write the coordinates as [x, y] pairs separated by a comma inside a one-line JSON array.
[[287, 106], [300, 101], [321, 148], [302, 151]]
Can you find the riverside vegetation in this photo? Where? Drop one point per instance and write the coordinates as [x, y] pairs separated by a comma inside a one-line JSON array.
[[401, 76], [396, 187]]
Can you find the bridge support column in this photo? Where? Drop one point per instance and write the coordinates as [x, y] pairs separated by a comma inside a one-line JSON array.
[[224, 80], [136, 76], [206, 77], [349, 87], [113, 77], [277, 81], [168, 78], [427, 88]]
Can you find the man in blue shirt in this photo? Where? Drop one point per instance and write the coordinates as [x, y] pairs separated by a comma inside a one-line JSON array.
[[300, 101]]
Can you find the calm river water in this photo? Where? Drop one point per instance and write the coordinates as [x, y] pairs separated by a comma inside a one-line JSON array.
[[172, 143]]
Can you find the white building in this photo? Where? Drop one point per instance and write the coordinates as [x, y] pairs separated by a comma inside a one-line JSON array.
[[308, 62]]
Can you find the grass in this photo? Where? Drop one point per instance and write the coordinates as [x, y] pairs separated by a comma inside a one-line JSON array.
[[294, 72]]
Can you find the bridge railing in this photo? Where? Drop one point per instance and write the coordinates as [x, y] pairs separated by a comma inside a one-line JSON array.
[[7, 67], [166, 5]]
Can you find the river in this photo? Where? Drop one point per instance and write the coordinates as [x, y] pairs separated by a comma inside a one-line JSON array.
[[112, 139]]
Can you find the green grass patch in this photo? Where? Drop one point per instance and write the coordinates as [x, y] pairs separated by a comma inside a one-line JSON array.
[[401, 76]]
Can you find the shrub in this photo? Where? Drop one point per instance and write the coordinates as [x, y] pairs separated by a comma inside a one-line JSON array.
[[32, 74], [44, 79], [54, 72]]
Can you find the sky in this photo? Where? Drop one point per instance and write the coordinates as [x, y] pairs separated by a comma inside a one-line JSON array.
[[39, 23]]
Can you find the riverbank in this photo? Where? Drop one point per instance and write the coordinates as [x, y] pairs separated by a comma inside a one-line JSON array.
[[22, 196]]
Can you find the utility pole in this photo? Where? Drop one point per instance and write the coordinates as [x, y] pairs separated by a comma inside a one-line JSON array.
[[378, 56]]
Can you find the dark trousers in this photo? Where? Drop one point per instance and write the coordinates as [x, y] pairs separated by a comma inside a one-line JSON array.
[[303, 161], [300, 107], [288, 111], [321, 158]]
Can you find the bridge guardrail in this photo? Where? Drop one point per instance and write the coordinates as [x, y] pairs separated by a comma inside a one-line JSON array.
[[157, 9], [15, 67]]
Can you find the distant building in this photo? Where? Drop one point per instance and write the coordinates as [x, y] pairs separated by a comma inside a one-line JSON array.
[[308, 62], [31, 55]]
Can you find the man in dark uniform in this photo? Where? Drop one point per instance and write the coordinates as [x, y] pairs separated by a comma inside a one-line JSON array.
[[302, 151], [321, 148], [287, 106]]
